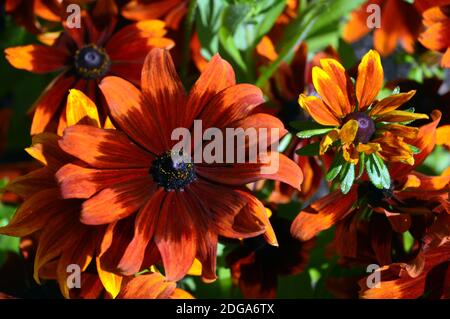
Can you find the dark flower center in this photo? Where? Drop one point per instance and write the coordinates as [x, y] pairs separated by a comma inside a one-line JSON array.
[[172, 171], [375, 197], [91, 62], [366, 126]]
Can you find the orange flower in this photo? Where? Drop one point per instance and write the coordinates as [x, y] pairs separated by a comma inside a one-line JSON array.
[[400, 22], [84, 56], [412, 280], [350, 118], [62, 240], [26, 12], [151, 285], [183, 208], [172, 11], [437, 22]]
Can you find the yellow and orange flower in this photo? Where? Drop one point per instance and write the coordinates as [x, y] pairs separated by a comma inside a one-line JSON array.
[[399, 22], [353, 120], [84, 56], [171, 11], [180, 209], [415, 202], [435, 37]]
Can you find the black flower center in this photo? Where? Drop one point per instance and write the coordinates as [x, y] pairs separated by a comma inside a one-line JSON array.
[[91, 62], [172, 171], [366, 126], [375, 197]]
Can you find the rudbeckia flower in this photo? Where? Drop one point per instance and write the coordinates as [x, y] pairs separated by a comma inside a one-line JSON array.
[[27, 12], [83, 56], [415, 202], [399, 22], [178, 206], [364, 130], [171, 11], [62, 240], [437, 23]]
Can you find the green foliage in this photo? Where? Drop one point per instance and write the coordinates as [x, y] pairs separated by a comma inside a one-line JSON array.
[[378, 172]]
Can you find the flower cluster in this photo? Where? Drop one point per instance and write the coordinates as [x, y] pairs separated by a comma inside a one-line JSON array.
[[176, 140]]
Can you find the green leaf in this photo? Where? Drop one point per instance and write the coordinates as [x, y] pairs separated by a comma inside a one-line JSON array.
[[347, 54], [309, 150], [336, 167], [414, 149], [275, 9], [347, 177], [295, 33], [378, 172], [361, 162], [310, 133]]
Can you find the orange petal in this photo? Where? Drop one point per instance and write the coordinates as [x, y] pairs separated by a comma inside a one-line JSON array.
[[217, 76], [356, 27], [147, 286], [176, 240], [318, 110], [338, 75], [323, 214], [425, 141], [50, 102], [370, 79], [34, 213], [117, 201], [391, 103], [328, 140], [266, 49], [348, 132], [400, 116], [445, 61], [330, 91], [232, 104], [132, 114], [79, 182], [443, 136], [37, 58], [435, 36], [144, 230], [278, 167], [368, 148], [109, 148], [163, 90]]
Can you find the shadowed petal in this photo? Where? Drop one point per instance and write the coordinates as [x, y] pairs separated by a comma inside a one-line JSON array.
[[323, 213], [144, 230], [117, 201]]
